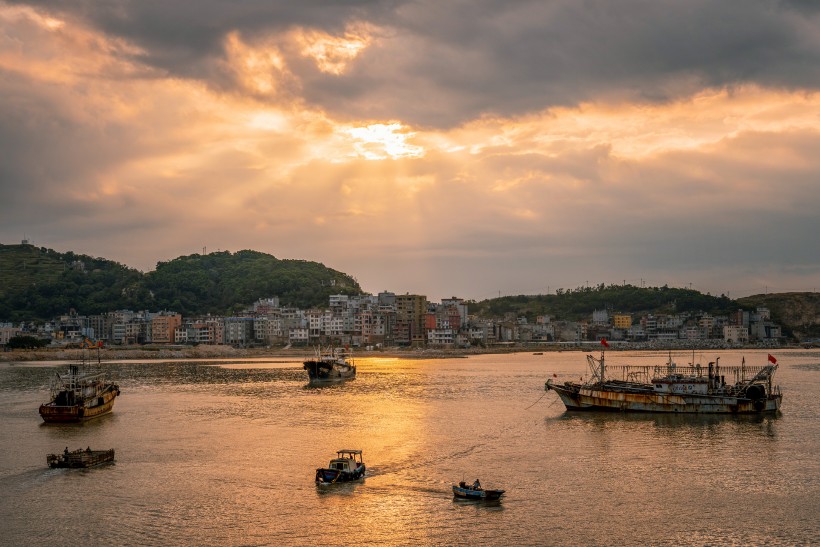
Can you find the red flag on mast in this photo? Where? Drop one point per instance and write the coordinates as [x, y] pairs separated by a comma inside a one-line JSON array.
[[606, 344], [772, 359]]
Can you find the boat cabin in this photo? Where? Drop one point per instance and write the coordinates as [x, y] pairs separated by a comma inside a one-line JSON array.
[[346, 460], [681, 385]]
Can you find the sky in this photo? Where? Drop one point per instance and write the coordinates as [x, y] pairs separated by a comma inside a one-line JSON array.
[[474, 149]]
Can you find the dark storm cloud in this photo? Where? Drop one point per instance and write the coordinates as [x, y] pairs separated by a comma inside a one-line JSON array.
[[183, 37], [440, 63]]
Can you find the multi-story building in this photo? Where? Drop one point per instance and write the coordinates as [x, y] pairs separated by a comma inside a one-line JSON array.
[[456, 306], [600, 317], [203, 331], [735, 334], [621, 321], [298, 336], [268, 329], [163, 326], [239, 331], [441, 337], [410, 313]]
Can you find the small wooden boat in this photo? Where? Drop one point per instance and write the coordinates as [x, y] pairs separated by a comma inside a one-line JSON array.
[[346, 466], [80, 458], [475, 492]]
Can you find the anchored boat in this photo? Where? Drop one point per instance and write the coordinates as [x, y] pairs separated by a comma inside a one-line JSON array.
[[78, 395], [330, 365], [80, 458], [346, 466], [713, 389]]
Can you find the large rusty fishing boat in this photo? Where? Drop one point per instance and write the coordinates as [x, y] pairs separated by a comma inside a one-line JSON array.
[[713, 389], [79, 395]]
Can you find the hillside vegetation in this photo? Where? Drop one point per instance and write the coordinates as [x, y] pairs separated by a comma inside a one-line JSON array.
[[797, 313], [38, 283], [577, 304]]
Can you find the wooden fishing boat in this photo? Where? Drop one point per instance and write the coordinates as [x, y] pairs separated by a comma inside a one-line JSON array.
[[475, 492], [330, 365], [80, 458], [346, 466], [78, 395]]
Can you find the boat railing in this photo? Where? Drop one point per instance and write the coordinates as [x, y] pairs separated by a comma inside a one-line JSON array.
[[645, 374]]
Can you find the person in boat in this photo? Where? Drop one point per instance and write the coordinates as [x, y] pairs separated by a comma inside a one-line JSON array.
[[476, 485]]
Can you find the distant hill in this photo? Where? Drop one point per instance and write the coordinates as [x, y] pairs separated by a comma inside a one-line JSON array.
[[38, 283], [798, 313], [577, 304]]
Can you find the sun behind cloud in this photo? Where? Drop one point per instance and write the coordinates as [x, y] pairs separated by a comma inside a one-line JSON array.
[[380, 141]]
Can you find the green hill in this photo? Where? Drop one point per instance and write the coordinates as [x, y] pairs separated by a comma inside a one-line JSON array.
[[578, 304], [798, 311], [220, 282], [38, 283]]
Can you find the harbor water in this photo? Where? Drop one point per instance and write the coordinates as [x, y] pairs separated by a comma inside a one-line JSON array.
[[225, 453]]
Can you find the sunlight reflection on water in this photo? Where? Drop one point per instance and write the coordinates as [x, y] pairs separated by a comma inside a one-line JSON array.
[[220, 453]]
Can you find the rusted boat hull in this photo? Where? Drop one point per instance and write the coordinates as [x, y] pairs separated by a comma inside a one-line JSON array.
[[53, 413], [577, 397]]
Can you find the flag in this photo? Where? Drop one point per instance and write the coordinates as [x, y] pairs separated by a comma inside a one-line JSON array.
[[604, 342], [772, 359]]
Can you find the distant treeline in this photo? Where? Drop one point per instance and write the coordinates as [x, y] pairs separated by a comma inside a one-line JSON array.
[[577, 304]]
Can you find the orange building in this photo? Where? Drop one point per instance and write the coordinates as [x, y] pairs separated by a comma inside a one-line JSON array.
[[163, 326], [622, 321]]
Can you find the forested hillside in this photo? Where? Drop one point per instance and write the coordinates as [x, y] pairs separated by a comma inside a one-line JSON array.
[[220, 282], [38, 283], [799, 311], [577, 304]]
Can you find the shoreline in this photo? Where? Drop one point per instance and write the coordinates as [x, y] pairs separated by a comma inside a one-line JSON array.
[[229, 352]]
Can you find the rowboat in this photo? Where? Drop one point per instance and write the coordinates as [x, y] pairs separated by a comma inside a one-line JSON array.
[[475, 492]]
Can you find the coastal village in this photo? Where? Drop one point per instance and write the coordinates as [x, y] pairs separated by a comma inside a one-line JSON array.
[[392, 320]]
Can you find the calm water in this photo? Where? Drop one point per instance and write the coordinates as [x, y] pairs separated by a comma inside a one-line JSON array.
[[225, 454]]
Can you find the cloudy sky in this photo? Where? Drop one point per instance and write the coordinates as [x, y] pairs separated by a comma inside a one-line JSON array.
[[469, 148]]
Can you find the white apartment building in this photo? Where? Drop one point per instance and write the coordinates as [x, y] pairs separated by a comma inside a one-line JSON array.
[[735, 334]]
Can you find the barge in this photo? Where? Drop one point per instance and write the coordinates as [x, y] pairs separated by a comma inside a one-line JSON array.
[[80, 459]]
